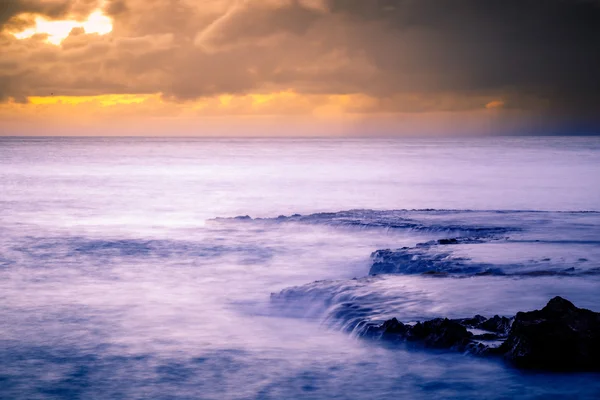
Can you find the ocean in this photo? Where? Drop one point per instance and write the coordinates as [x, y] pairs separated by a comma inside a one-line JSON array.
[[124, 273]]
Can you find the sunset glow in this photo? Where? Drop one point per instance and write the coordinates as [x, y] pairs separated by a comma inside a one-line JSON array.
[[57, 31], [389, 63], [102, 101], [290, 199]]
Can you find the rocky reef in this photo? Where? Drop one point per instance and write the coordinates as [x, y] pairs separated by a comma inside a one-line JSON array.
[[432, 259], [559, 337]]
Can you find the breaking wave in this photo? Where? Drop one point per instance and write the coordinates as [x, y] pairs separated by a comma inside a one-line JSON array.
[[525, 250]]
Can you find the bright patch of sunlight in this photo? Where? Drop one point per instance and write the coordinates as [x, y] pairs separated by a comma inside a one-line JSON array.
[[58, 31], [106, 100]]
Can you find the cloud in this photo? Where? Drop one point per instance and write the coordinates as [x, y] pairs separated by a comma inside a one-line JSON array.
[[544, 48], [18, 13], [494, 104], [252, 21], [405, 56]]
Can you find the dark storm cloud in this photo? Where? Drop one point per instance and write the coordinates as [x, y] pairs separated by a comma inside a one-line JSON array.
[[549, 48], [253, 20], [544, 49]]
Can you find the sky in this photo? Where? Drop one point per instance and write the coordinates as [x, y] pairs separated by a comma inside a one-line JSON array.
[[299, 67]]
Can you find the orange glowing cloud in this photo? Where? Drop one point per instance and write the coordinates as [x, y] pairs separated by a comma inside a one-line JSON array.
[[495, 104], [255, 114], [254, 104], [281, 104]]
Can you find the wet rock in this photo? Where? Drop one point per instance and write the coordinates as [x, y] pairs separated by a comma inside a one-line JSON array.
[[472, 322], [496, 324], [440, 334], [423, 258], [491, 272], [479, 349], [593, 271], [448, 241], [487, 336], [391, 330], [436, 273], [558, 337], [395, 327], [540, 273], [418, 260]]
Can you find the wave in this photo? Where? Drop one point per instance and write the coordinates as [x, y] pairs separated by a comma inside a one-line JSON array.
[[393, 219], [101, 250], [548, 242], [505, 246]]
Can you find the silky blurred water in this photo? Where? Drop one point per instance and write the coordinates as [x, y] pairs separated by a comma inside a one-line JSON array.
[[116, 282]]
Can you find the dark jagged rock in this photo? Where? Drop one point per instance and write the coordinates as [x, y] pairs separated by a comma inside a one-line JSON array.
[[558, 337], [487, 336], [426, 260], [478, 348], [472, 322], [491, 272], [448, 241], [496, 324], [440, 334], [392, 329], [419, 260], [436, 273]]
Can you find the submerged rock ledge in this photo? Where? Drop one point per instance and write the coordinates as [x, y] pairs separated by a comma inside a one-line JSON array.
[[559, 337]]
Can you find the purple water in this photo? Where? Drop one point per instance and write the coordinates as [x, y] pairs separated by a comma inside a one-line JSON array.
[[116, 282]]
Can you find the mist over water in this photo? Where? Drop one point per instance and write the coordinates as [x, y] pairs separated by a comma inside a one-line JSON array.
[[117, 281]]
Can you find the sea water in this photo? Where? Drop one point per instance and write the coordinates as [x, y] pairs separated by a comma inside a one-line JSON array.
[[124, 275]]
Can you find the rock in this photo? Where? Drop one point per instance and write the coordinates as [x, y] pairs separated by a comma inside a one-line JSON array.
[[558, 337], [486, 336], [472, 322], [491, 272], [440, 334], [423, 258], [496, 324], [448, 241], [436, 273], [478, 348], [391, 329], [394, 329]]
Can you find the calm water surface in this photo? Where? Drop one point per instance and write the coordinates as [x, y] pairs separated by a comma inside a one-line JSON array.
[[117, 282]]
